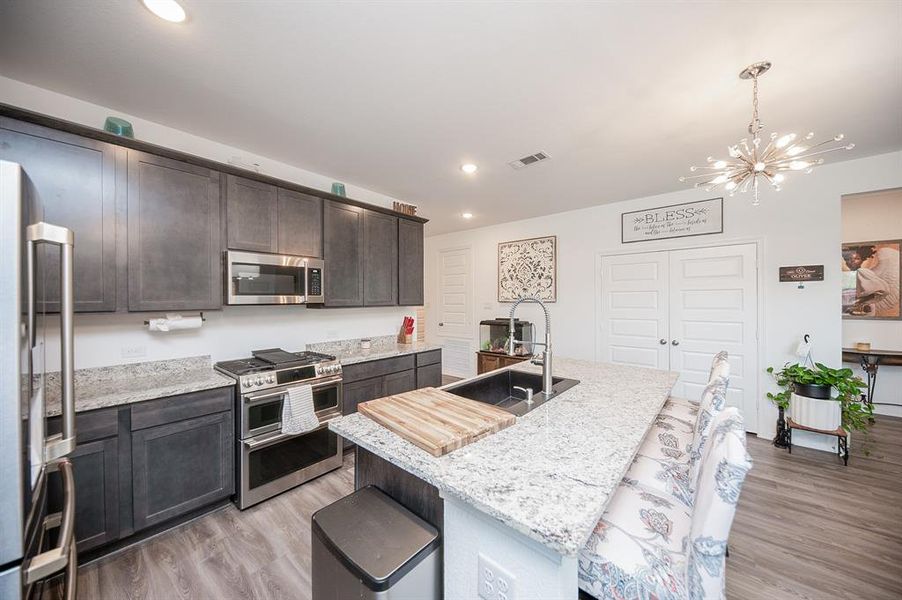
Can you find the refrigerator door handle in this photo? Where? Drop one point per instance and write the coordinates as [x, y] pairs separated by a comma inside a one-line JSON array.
[[55, 560], [59, 445]]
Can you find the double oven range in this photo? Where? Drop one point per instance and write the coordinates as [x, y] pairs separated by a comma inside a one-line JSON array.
[[269, 461]]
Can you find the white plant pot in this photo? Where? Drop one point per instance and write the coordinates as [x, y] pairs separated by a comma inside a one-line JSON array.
[[815, 413]]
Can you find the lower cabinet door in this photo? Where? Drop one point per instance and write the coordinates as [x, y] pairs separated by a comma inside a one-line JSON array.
[[181, 466], [429, 376], [484, 363], [95, 468], [360, 391], [398, 383]]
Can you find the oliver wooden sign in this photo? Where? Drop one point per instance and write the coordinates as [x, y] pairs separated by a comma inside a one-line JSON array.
[[677, 220], [802, 273]]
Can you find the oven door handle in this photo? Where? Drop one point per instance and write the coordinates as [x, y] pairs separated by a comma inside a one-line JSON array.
[[252, 398], [276, 437]]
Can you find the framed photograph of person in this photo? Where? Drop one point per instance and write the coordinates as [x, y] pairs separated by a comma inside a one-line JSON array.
[[871, 276]]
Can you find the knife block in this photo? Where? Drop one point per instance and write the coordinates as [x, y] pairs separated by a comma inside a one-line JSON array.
[[405, 338]]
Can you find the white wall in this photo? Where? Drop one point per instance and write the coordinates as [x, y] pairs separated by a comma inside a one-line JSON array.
[[101, 339], [870, 217], [235, 331], [800, 225]]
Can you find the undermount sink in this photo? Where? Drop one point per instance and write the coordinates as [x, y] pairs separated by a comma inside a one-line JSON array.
[[498, 390]]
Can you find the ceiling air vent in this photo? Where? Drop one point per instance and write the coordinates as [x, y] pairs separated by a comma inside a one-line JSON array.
[[529, 160]]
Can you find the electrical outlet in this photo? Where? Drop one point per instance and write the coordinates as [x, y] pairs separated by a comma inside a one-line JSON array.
[[495, 583], [133, 351]]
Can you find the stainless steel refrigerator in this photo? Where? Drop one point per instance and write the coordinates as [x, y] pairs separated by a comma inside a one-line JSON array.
[[35, 547]]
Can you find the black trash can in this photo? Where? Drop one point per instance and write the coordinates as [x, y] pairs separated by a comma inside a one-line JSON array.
[[368, 546]]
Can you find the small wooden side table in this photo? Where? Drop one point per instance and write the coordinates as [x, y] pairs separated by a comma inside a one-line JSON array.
[[842, 446]]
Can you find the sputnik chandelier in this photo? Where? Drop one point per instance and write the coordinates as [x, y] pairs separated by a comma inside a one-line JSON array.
[[749, 163]]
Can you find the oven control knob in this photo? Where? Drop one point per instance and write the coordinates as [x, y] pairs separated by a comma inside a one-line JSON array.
[[271, 379], [246, 383], [259, 381]]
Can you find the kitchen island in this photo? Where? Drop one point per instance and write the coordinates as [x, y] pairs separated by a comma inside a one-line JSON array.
[[528, 497]]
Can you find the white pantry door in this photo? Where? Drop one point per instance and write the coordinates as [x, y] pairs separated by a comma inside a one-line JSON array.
[[713, 307], [633, 327], [455, 308]]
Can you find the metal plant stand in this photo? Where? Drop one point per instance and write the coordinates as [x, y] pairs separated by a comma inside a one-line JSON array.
[[842, 447]]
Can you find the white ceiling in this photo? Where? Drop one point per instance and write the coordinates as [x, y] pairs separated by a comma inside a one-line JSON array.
[[394, 96]]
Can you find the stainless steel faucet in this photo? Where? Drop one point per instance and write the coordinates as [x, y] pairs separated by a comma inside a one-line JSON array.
[[546, 346]]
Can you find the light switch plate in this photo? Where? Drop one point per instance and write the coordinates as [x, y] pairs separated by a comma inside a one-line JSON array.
[[495, 583]]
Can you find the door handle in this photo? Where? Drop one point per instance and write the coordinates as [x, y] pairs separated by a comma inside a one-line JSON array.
[[59, 445], [441, 324], [675, 343], [662, 341], [52, 561]]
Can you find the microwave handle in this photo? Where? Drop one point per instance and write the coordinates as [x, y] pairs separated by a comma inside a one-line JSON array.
[[59, 445]]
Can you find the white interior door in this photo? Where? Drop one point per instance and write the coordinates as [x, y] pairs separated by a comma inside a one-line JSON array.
[[455, 301], [633, 320], [713, 307]]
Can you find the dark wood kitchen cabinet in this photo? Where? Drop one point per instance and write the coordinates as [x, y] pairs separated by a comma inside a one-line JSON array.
[[398, 383], [380, 263], [355, 392], [252, 215], [95, 468], [69, 180], [343, 244], [174, 256], [410, 263], [300, 224], [181, 466]]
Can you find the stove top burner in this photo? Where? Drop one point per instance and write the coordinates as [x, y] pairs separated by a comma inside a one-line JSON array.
[[272, 359]]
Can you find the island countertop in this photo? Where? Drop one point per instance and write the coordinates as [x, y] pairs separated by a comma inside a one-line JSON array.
[[551, 475]]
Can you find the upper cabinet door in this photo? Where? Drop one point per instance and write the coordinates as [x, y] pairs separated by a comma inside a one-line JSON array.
[[252, 213], [174, 254], [343, 254], [380, 271], [410, 263], [69, 181], [300, 224]]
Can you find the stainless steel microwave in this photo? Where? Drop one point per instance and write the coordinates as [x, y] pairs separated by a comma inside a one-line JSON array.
[[256, 278]]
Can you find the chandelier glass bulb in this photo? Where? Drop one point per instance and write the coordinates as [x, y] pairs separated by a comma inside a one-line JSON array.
[[749, 163]]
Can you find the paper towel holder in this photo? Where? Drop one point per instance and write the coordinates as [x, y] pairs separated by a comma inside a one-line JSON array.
[[201, 315]]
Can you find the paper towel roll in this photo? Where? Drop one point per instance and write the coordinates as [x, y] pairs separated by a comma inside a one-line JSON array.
[[175, 322]]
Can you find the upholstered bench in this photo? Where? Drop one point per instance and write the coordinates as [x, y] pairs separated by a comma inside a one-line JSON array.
[[648, 545], [641, 546]]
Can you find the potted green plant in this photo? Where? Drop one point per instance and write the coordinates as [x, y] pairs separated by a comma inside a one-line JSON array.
[[808, 392]]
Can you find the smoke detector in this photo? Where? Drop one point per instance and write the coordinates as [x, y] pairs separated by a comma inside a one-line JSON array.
[[529, 160]]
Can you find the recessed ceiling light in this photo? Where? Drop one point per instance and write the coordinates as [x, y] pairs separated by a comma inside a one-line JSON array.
[[467, 215], [469, 168], [168, 10]]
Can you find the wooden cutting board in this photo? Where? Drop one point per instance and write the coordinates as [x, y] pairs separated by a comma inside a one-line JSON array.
[[436, 421]]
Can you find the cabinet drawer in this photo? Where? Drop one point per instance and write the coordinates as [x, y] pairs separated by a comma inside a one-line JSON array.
[[91, 425], [375, 368], [181, 407], [429, 358]]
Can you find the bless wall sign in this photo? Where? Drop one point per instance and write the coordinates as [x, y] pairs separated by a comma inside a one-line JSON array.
[[704, 217]]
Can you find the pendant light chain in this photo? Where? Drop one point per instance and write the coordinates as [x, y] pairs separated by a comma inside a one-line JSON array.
[[755, 125]]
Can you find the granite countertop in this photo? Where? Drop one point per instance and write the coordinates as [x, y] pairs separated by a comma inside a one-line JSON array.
[[102, 387], [549, 476], [348, 352]]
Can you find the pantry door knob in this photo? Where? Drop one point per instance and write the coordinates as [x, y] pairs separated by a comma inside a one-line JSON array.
[[675, 343], [441, 324], [662, 341]]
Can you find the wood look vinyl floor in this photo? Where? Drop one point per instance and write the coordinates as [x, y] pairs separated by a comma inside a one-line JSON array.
[[806, 528]]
